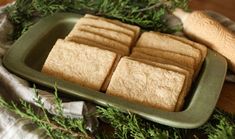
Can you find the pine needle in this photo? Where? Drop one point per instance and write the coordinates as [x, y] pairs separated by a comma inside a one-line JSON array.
[[131, 126], [148, 14], [56, 126], [220, 126], [126, 125]]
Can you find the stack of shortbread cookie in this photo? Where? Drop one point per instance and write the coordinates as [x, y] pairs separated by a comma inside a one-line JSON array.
[[107, 55]]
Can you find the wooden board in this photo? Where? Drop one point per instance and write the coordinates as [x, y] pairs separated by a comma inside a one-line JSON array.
[[225, 7], [227, 98]]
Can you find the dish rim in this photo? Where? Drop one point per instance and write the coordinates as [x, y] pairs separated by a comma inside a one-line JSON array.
[[192, 117]]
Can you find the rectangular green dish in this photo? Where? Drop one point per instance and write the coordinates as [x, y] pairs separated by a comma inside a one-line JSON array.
[[26, 58]]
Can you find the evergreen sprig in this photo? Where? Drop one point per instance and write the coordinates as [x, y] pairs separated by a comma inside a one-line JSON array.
[[149, 14], [127, 125], [220, 126], [56, 126]]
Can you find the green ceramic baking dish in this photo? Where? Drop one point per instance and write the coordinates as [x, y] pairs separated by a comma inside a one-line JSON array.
[[26, 57]]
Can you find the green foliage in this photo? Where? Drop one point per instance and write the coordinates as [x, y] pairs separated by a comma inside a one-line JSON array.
[[25, 13], [148, 14], [131, 126], [56, 126], [127, 125], [220, 126]]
